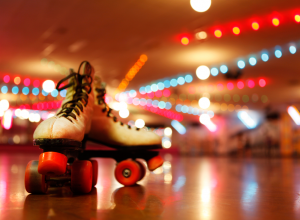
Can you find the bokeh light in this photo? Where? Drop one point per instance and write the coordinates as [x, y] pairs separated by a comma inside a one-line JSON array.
[[223, 69], [200, 5], [214, 71], [185, 41], [241, 64], [255, 26], [26, 82], [202, 72], [297, 18], [6, 78], [240, 84], [17, 80], [139, 123], [236, 30], [251, 83], [204, 103], [218, 33], [48, 86], [262, 83]]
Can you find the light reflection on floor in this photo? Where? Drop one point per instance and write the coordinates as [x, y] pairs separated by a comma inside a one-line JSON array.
[[184, 188]]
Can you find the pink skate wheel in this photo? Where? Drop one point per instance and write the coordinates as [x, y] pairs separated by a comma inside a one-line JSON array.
[[52, 163], [127, 172], [95, 171], [142, 169], [81, 176], [34, 182], [155, 162]]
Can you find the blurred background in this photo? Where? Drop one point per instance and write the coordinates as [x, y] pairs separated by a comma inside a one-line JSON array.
[[211, 77]]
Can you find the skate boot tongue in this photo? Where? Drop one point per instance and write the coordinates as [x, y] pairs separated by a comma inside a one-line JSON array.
[[80, 85]]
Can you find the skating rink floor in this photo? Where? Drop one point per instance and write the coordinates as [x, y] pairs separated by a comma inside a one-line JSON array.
[[186, 188]]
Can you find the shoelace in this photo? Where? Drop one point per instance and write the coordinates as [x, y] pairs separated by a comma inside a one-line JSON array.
[[100, 97], [81, 91]]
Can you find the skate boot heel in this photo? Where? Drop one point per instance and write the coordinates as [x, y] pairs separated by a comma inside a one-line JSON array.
[[52, 163], [155, 162]]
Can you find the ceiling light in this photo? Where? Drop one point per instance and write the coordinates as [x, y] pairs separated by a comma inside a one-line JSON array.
[[200, 5], [202, 72]]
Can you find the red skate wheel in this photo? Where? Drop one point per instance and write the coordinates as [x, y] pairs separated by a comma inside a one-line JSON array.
[[52, 163], [95, 171], [142, 168], [81, 176], [34, 182], [155, 162], [127, 172]]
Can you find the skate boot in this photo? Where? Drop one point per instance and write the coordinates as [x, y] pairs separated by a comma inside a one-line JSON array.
[[130, 143], [61, 137]]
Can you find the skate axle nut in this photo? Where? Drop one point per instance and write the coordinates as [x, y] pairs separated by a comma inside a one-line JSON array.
[[126, 173]]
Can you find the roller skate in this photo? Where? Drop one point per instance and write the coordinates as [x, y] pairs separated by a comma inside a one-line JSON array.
[[127, 143], [60, 137]]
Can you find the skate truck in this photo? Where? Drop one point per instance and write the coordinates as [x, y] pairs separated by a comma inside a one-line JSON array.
[[70, 164]]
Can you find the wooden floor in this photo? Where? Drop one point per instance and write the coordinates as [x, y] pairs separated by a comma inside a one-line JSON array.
[[186, 188]]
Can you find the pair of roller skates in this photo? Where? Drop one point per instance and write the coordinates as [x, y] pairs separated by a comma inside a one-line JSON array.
[[85, 116]]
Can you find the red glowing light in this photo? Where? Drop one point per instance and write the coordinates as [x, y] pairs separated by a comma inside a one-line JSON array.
[[255, 26], [158, 93], [150, 95], [251, 83], [236, 30], [240, 85], [218, 33], [36, 83], [262, 83], [27, 82], [185, 41], [166, 92], [6, 78], [275, 21], [230, 86], [220, 87]]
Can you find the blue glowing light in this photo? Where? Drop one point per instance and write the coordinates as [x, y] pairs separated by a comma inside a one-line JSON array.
[[190, 110], [44, 93], [35, 91], [54, 93], [178, 127], [214, 71], [132, 93], [167, 83], [184, 109], [252, 61], [15, 90], [180, 80], [178, 107], [223, 69], [155, 103], [148, 89], [168, 105], [4, 89], [142, 90], [160, 86], [173, 82], [264, 57], [293, 49], [154, 87], [278, 53], [188, 78], [249, 122], [161, 104], [241, 64], [195, 111], [25, 90], [63, 93]]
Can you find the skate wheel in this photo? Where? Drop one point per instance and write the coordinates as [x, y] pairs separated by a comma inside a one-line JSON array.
[[34, 182], [95, 171], [127, 172], [52, 163], [155, 162], [81, 176], [142, 169]]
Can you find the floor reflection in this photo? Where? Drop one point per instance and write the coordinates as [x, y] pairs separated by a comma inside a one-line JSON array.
[[60, 203]]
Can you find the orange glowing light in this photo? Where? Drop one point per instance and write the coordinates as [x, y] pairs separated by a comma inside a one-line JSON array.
[[143, 58], [236, 30], [17, 80], [255, 26], [297, 18], [275, 21], [185, 41], [218, 33]]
